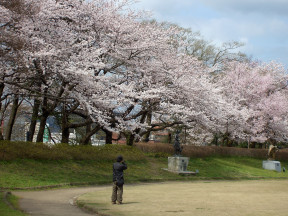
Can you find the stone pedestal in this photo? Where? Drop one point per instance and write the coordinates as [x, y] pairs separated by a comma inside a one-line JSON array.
[[178, 164], [272, 165]]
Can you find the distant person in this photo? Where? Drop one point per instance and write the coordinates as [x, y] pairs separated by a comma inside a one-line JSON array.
[[118, 180]]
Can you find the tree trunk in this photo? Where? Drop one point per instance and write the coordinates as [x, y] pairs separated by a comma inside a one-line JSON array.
[[87, 139], [43, 120], [108, 139], [148, 121], [130, 139], [64, 125], [1, 92], [1, 129], [33, 120], [37, 103], [65, 128], [88, 130], [1, 125], [12, 118], [65, 135]]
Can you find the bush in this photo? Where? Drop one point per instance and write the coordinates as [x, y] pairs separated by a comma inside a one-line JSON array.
[[155, 148], [39, 151], [28, 150], [208, 151]]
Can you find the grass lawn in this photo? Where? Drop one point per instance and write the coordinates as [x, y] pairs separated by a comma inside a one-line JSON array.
[[23, 173], [6, 210]]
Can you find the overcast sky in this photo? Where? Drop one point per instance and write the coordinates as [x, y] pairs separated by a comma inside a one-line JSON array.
[[261, 24]]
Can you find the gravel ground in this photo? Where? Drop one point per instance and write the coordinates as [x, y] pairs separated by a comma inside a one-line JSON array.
[[60, 202], [205, 198], [201, 198]]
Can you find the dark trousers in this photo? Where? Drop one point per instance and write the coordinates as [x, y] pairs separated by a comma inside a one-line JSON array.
[[117, 193]]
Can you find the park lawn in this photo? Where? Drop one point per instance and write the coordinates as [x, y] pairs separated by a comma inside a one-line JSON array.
[[6, 210], [23, 173], [233, 168], [38, 167]]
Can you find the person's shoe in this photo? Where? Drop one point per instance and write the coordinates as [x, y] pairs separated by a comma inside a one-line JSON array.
[[119, 203], [113, 202]]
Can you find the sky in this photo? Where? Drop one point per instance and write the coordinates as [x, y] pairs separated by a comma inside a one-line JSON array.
[[261, 24]]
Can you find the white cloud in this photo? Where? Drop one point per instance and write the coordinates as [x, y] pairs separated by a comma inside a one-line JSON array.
[[276, 7], [262, 24]]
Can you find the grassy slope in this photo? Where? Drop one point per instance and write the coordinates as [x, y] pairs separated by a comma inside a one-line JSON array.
[[33, 173], [32, 165]]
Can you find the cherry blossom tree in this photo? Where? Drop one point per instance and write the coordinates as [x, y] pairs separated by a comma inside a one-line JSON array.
[[99, 60], [119, 70], [12, 63], [262, 90], [156, 79]]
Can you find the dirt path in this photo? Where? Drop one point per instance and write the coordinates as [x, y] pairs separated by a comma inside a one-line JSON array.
[[203, 198], [58, 202]]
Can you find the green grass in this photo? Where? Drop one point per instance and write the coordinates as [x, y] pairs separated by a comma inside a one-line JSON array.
[[24, 173], [29, 165], [6, 210], [233, 168]]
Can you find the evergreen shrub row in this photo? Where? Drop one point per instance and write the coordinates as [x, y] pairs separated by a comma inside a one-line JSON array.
[[40, 151], [208, 151]]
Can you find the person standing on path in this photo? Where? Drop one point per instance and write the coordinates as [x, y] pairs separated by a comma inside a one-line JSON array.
[[118, 180]]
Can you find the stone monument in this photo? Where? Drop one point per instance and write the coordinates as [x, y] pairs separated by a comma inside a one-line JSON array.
[[271, 163], [177, 163]]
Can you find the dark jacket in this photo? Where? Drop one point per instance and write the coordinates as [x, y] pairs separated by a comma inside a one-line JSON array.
[[118, 170]]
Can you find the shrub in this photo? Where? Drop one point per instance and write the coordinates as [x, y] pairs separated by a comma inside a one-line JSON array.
[[207, 151], [39, 151], [155, 147], [29, 150]]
